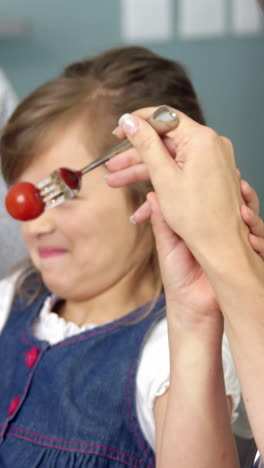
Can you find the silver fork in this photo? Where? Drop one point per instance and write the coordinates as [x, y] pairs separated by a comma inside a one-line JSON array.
[[64, 183]]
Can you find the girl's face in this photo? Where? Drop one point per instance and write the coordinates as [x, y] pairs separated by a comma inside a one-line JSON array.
[[84, 246]]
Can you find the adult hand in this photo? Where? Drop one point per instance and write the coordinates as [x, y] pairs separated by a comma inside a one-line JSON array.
[[189, 296], [249, 214], [199, 195]]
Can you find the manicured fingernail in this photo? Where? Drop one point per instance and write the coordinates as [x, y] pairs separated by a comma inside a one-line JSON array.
[[129, 124], [132, 220], [114, 132]]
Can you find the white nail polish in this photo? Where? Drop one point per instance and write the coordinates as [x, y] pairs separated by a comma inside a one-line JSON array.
[[132, 220], [129, 124]]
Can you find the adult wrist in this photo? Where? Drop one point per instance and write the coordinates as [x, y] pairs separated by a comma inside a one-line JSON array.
[[230, 260], [186, 322]]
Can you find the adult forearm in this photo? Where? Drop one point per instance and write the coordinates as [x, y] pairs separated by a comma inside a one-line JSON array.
[[196, 430], [239, 287]]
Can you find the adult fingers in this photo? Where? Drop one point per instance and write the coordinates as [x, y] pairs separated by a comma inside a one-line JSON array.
[[253, 221], [144, 113], [128, 176], [123, 160], [166, 238], [250, 196], [127, 168], [150, 148], [145, 140], [149, 209], [257, 244], [131, 157], [142, 214], [149, 142]]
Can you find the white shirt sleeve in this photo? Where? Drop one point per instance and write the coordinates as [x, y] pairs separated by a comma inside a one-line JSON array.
[[7, 291], [153, 377]]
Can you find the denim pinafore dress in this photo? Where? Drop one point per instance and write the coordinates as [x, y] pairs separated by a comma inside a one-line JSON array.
[[72, 404]]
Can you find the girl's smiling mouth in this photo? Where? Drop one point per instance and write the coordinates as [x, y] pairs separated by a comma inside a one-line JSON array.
[[49, 252]]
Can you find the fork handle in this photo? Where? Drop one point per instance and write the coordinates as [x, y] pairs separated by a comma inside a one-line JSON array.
[[162, 120]]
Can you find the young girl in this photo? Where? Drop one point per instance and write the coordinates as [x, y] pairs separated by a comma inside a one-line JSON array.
[[85, 359]]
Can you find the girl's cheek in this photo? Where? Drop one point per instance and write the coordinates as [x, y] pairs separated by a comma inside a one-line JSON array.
[[24, 233]]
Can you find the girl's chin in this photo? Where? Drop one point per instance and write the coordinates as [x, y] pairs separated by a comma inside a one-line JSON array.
[[68, 288], [60, 283], [55, 280], [54, 287]]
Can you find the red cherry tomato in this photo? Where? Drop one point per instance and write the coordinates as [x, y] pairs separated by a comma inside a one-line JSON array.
[[23, 201]]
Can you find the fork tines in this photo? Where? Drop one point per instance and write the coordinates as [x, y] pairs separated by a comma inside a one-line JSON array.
[[54, 191]]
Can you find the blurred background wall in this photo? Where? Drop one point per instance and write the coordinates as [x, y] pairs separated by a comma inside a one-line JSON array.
[[225, 63]]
